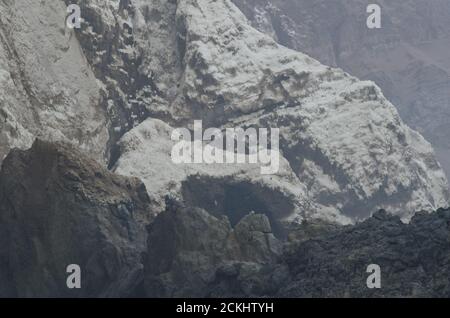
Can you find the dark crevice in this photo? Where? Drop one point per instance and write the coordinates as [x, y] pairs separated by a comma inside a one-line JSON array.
[[236, 199]]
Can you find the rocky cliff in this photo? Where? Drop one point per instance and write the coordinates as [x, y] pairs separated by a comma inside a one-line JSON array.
[[47, 88], [99, 188], [407, 57], [344, 147], [342, 139], [59, 207]]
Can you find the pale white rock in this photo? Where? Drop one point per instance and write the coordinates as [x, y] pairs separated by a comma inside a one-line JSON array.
[[408, 57], [146, 153], [47, 88], [343, 139]]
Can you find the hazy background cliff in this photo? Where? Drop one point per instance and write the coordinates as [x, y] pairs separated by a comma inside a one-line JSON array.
[[408, 57]]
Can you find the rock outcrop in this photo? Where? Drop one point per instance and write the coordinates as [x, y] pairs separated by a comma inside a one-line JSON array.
[[344, 147], [189, 248], [343, 140], [47, 88], [407, 57], [411, 257], [146, 154], [59, 207], [113, 91], [204, 257]]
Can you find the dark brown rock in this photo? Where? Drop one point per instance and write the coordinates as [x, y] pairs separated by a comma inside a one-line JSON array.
[[59, 207]]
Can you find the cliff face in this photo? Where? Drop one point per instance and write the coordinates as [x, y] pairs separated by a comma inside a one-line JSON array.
[[47, 88], [343, 140], [113, 91], [344, 147], [59, 207], [407, 58]]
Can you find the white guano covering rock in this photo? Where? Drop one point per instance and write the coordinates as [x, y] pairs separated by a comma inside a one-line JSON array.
[[47, 88], [345, 151], [345, 143], [146, 154], [408, 57]]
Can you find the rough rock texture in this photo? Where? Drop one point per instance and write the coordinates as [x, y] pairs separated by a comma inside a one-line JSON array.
[[343, 140], [200, 257], [146, 153], [345, 149], [408, 58], [59, 207], [189, 248], [47, 88], [413, 257], [107, 39]]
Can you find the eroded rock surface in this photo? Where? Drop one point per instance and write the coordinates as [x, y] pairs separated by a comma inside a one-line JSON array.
[[139, 69], [59, 207], [47, 88], [343, 140], [343, 145], [407, 57], [320, 259], [190, 248]]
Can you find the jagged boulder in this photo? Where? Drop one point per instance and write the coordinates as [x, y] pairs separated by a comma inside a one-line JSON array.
[[59, 207], [189, 249]]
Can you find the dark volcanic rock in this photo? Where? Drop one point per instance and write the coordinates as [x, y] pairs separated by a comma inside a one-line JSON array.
[[414, 259], [194, 254], [190, 249], [59, 207]]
